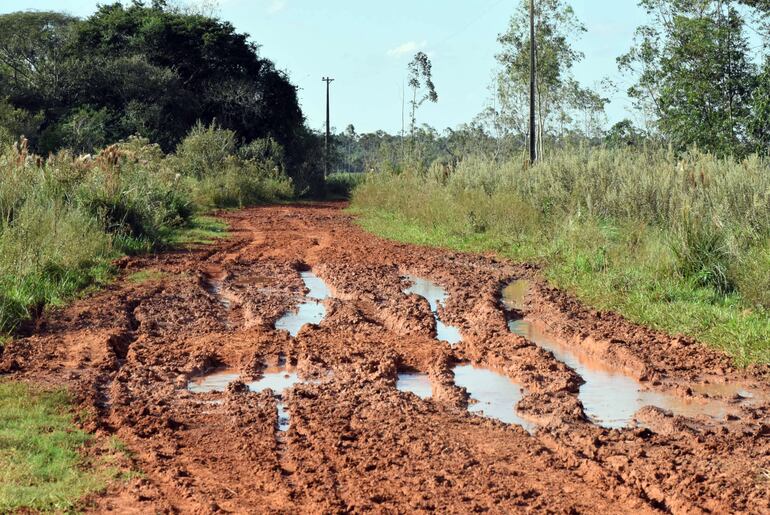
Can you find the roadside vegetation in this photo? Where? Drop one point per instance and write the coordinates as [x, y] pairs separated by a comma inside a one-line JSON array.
[[667, 223], [65, 217], [120, 130], [42, 467], [679, 243]]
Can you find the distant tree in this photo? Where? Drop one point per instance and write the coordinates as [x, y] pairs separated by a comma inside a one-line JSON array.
[[694, 74], [759, 123], [35, 63], [623, 134], [558, 95], [421, 82]]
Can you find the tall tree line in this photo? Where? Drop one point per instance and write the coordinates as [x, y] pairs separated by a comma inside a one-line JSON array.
[[700, 78], [149, 69]]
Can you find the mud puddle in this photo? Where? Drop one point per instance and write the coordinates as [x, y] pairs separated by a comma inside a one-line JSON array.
[[729, 391], [213, 286], [277, 378], [214, 382], [610, 398], [416, 383], [436, 296], [312, 311], [493, 395]]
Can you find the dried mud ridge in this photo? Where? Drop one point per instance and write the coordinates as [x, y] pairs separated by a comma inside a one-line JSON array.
[[355, 442]]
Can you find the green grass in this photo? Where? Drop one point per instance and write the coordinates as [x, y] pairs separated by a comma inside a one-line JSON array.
[[144, 276], [202, 230], [340, 185], [611, 267], [41, 466]]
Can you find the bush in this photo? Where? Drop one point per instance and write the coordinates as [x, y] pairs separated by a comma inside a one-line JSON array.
[[341, 185], [62, 219], [752, 275], [676, 242], [702, 254], [243, 183], [202, 153], [47, 253], [254, 176]]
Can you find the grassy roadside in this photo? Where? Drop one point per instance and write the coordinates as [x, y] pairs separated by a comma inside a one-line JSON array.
[[624, 232], [64, 218], [42, 464], [596, 268]]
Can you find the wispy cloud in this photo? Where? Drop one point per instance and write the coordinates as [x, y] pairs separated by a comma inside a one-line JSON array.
[[406, 48], [276, 6]]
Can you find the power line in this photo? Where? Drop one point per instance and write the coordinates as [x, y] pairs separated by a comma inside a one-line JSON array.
[[469, 24]]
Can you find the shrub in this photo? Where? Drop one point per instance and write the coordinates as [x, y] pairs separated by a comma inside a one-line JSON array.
[[341, 185], [242, 183], [702, 255], [135, 196], [752, 275], [47, 253], [202, 153]]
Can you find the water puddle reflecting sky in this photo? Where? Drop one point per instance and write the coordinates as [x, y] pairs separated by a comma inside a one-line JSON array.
[[609, 397], [495, 395], [436, 296], [312, 311], [416, 383], [277, 378], [215, 382]]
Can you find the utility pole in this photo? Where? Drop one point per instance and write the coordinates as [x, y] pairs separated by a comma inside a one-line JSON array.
[[532, 87], [328, 81]]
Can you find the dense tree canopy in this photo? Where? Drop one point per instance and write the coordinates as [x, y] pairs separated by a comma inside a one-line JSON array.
[[146, 69], [697, 77]]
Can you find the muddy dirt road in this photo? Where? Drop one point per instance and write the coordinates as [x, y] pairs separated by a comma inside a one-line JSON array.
[[484, 390]]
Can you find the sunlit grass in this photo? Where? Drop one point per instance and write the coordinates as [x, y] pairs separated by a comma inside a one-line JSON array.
[[41, 464], [202, 230], [144, 276], [677, 247]]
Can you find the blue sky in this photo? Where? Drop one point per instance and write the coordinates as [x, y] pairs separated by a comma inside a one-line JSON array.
[[366, 46]]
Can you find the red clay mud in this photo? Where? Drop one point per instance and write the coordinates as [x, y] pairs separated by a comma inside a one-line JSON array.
[[356, 443]]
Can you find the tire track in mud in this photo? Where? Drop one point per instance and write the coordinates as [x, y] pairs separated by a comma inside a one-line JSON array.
[[355, 442]]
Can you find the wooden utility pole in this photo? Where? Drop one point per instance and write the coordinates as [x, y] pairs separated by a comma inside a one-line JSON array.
[[532, 86], [328, 81]]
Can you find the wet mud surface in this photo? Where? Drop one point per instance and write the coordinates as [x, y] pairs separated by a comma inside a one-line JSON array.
[[363, 411]]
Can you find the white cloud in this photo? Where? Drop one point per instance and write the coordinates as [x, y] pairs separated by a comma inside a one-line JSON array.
[[276, 6], [406, 48]]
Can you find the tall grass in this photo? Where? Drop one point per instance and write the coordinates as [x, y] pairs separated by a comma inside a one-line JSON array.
[[677, 242], [63, 218]]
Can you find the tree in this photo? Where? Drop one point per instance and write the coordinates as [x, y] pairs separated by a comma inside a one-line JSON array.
[[34, 58], [558, 96], [623, 134], [694, 75], [759, 123], [218, 73], [421, 82], [149, 69]]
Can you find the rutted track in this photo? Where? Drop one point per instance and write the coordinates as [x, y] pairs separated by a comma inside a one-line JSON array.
[[355, 442]]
